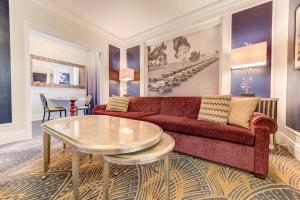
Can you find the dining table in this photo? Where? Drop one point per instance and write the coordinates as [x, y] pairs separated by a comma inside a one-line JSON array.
[[72, 101]]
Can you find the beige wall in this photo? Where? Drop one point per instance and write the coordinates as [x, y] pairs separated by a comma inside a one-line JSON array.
[[52, 47], [25, 14]]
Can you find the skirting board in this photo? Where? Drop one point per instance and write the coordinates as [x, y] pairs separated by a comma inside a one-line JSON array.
[[14, 136], [36, 117], [285, 140], [39, 117]]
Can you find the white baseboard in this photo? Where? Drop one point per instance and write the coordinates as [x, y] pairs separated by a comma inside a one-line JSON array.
[[285, 140], [36, 117], [14, 136], [40, 117]]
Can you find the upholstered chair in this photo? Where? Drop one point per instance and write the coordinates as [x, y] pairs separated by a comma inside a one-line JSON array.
[[49, 110], [87, 106]]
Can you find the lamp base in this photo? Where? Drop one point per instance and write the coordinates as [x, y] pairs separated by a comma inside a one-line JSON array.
[[248, 95]]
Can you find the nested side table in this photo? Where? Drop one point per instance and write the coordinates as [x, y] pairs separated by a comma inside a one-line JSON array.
[[160, 151]]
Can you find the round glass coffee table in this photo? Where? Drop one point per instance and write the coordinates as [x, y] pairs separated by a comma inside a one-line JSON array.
[[98, 134]]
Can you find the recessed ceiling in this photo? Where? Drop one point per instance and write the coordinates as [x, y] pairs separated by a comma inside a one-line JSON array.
[[127, 18]]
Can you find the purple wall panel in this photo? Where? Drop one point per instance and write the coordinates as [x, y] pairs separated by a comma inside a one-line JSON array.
[[293, 76], [253, 25], [114, 68], [133, 62], [5, 65]]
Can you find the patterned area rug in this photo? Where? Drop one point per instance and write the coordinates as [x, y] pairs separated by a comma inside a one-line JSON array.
[[191, 178]]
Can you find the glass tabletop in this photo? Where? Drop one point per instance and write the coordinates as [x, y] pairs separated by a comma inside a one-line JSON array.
[[66, 98], [104, 134]]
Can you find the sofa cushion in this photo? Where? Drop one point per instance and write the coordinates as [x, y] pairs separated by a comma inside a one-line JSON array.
[[129, 115], [241, 111], [187, 107], [200, 128], [215, 108], [144, 104], [119, 104]]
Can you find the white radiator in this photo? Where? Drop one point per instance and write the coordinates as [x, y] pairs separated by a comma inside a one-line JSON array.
[[268, 106]]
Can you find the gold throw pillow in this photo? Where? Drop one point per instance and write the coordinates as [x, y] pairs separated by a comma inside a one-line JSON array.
[[241, 111], [215, 108], [119, 104]]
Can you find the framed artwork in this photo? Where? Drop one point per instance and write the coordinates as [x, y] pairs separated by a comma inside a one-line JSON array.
[[297, 39], [63, 78], [5, 65], [187, 65]]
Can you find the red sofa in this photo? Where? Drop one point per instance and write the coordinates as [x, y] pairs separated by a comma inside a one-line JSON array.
[[239, 147]]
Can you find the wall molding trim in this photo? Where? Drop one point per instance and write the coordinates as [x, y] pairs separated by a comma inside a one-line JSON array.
[[78, 20], [192, 21], [13, 136], [290, 141], [186, 30], [293, 131], [187, 20]]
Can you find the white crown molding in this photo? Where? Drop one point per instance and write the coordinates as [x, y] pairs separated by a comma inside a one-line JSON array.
[[193, 20], [77, 20], [189, 21], [185, 31]]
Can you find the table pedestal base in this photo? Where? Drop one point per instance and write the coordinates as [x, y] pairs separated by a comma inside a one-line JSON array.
[[72, 107]]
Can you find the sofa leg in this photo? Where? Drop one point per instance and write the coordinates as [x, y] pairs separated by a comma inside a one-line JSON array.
[[260, 176]]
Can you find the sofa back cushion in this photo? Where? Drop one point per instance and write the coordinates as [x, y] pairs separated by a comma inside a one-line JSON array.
[[215, 108], [241, 111], [144, 104], [118, 104], [187, 107]]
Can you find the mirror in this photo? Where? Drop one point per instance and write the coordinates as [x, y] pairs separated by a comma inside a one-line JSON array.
[[48, 72]]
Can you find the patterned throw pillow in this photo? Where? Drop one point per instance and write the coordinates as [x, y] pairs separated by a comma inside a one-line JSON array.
[[215, 108], [241, 110], [119, 104]]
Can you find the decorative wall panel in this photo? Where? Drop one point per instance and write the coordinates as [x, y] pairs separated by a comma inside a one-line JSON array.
[[5, 65], [185, 66], [293, 75], [133, 62], [253, 26], [114, 68]]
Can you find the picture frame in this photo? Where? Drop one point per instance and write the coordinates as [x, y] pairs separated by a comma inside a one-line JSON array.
[[177, 66], [63, 78], [297, 38]]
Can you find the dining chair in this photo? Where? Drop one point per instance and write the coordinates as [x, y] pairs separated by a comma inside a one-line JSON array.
[[51, 109], [87, 106]]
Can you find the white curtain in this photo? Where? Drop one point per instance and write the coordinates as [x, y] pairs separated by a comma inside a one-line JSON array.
[[93, 76]]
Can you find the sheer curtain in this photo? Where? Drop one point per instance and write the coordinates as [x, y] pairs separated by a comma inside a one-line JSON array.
[[93, 76]]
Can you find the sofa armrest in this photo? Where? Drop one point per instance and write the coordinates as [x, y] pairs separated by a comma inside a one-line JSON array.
[[260, 119], [261, 150], [100, 107]]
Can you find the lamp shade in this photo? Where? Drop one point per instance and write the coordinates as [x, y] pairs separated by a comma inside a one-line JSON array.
[[126, 74], [253, 55]]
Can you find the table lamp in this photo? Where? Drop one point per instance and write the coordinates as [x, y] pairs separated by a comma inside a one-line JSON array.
[[247, 57], [126, 75]]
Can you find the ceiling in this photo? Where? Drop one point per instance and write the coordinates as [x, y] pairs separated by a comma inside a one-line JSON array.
[[127, 18]]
